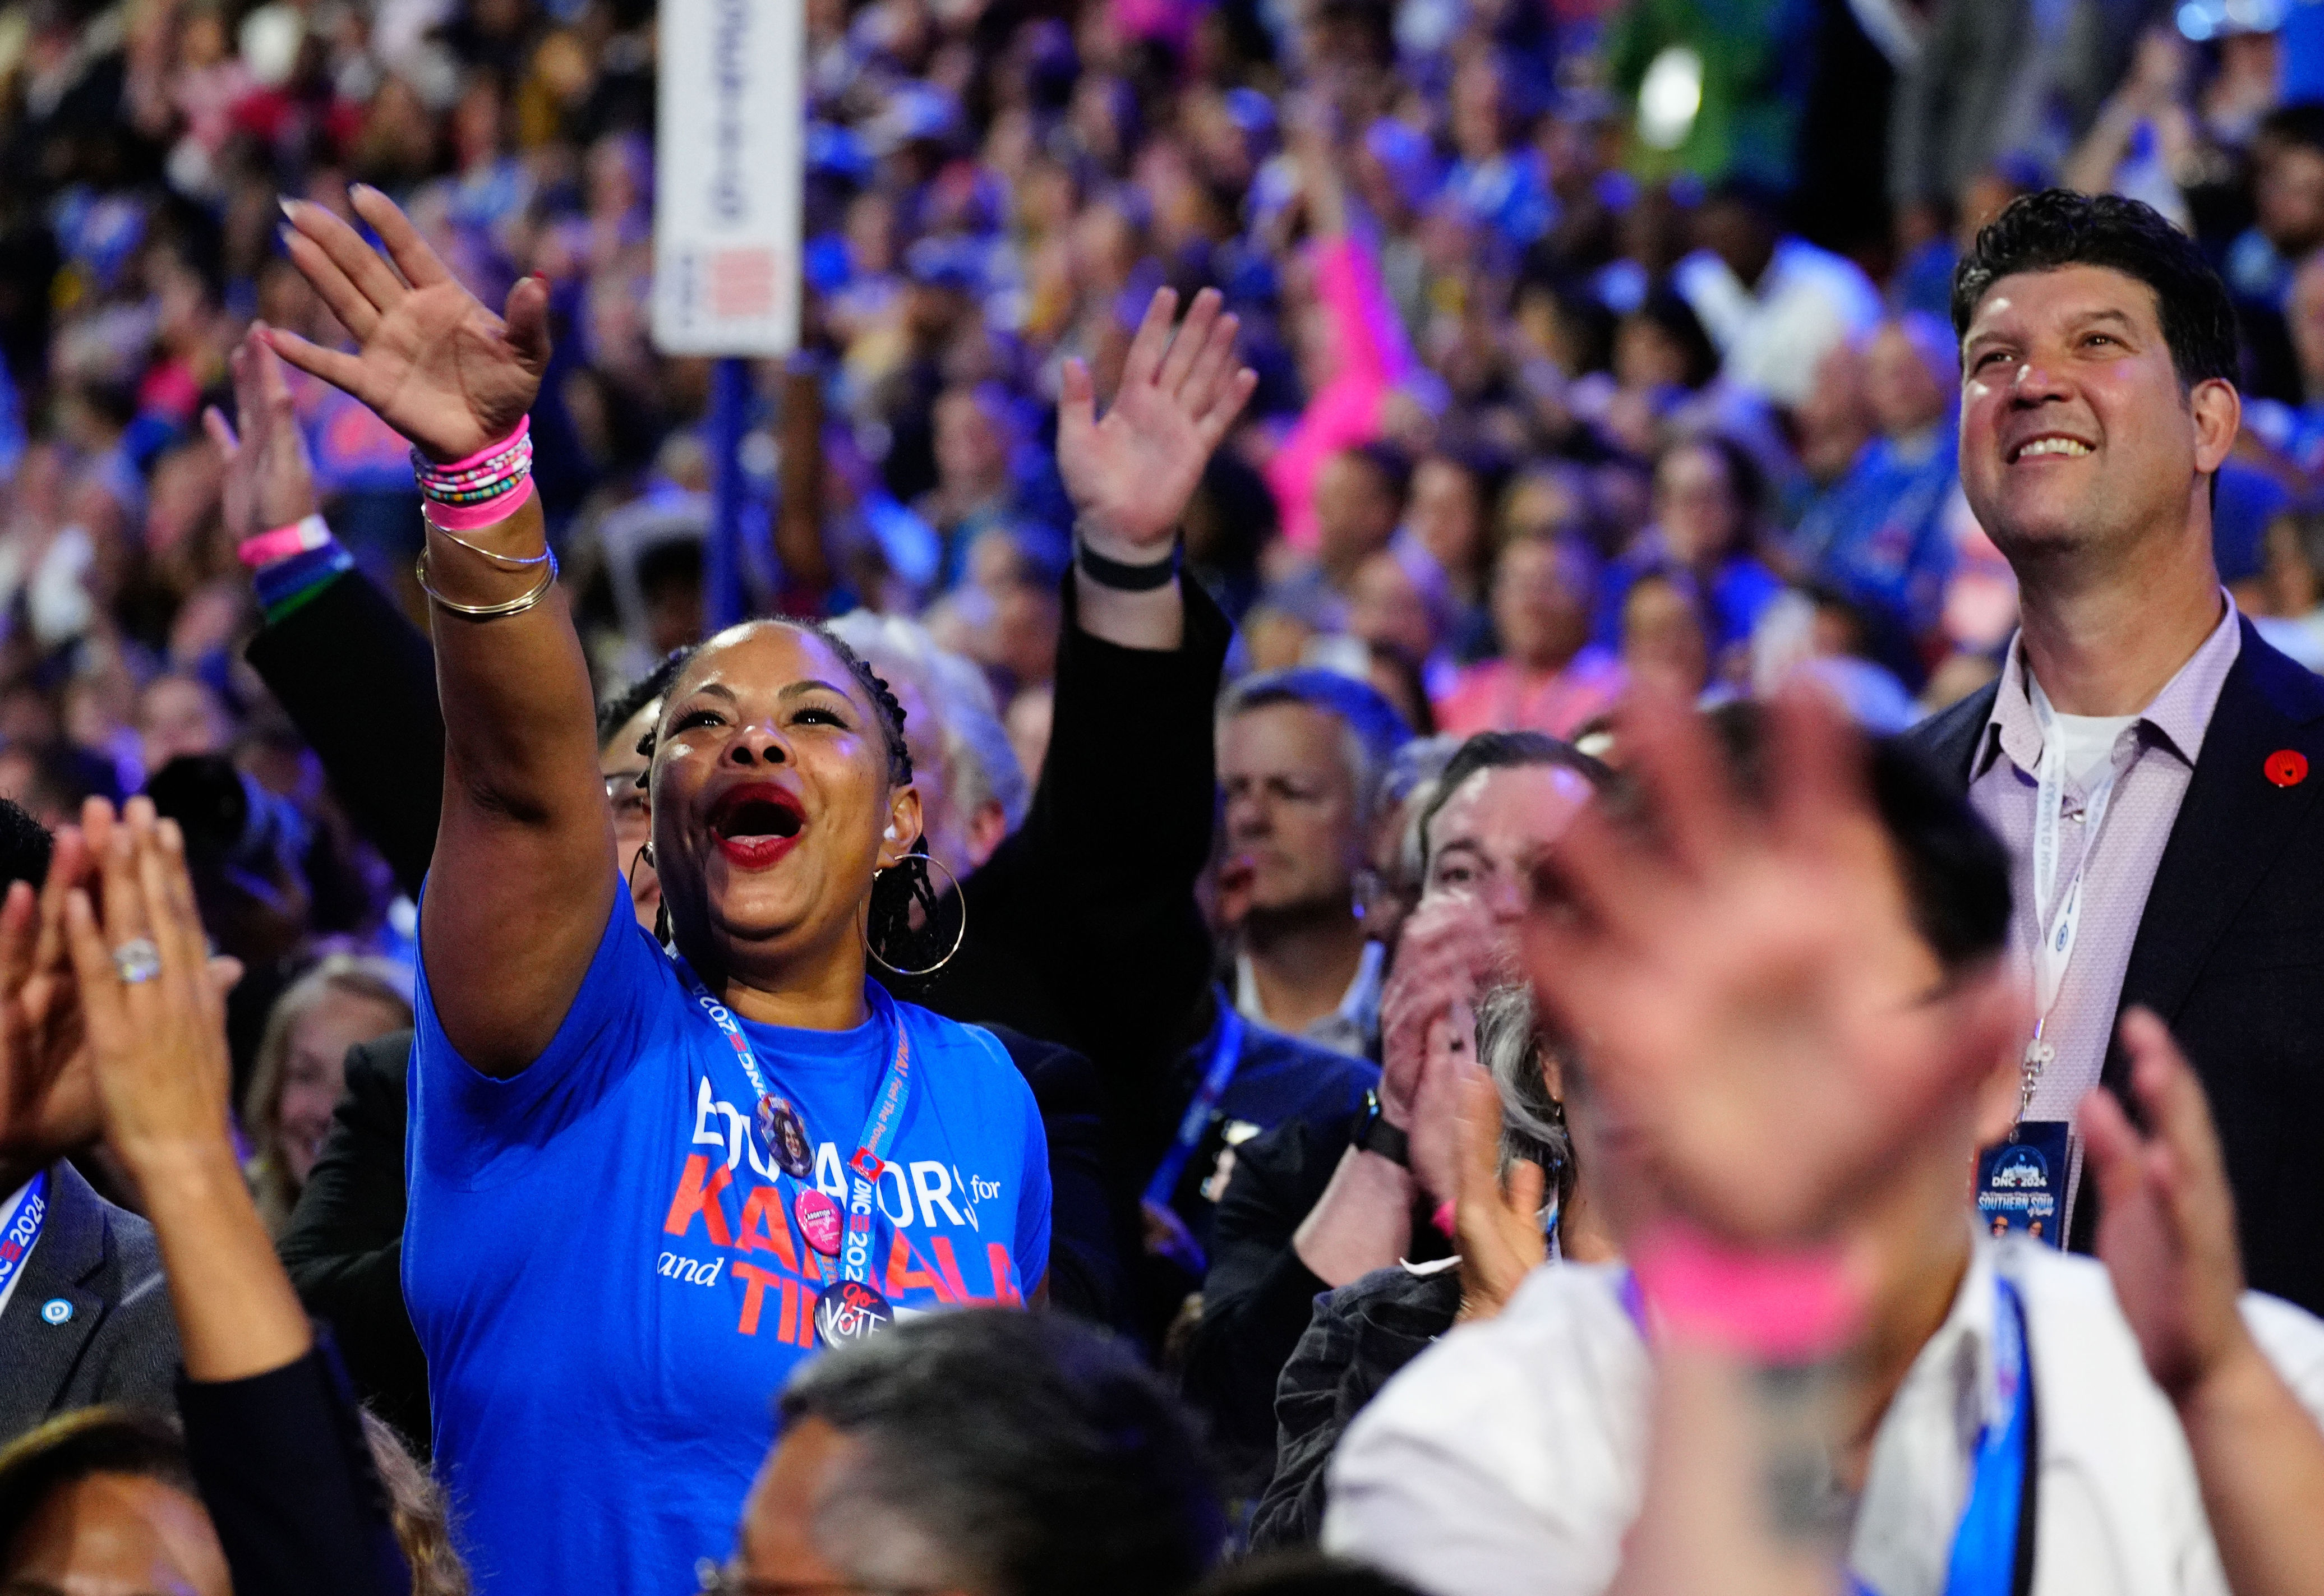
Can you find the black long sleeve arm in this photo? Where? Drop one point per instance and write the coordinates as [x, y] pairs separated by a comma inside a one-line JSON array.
[[288, 1482], [358, 680]]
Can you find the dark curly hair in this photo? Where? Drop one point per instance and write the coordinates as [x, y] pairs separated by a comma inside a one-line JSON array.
[[2058, 227]]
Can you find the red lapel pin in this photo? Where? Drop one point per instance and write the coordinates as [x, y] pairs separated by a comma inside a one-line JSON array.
[[2286, 767]]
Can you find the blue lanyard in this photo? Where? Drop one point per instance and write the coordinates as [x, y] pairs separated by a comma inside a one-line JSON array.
[[1993, 1548], [1986, 1551], [864, 1165], [23, 1228], [1225, 1055]]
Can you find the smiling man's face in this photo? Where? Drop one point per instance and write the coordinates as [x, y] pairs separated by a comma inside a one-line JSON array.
[[2075, 433]]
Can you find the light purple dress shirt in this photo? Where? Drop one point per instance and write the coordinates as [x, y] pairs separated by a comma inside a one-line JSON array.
[[2156, 756]]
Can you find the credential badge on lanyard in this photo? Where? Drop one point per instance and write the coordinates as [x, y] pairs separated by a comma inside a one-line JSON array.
[[849, 1307]]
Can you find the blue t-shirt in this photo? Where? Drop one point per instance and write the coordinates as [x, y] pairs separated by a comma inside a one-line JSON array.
[[602, 1262]]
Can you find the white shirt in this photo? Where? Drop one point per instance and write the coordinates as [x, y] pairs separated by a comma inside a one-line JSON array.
[[1350, 1028], [2087, 741], [1510, 1457], [8, 1217], [1771, 335]]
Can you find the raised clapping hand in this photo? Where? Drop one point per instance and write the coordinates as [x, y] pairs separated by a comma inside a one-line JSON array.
[[430, 361], [1496, 1227], [158, 1055], [270, 479], [45, 1094], [1131, 475], [2167, 1221], [1428, 1033], [1759, 1018], [158, 1047]]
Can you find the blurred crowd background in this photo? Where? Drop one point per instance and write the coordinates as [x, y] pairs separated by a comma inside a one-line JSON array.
[[1597, 341]]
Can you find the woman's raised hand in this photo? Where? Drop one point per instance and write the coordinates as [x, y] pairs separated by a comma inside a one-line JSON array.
[[430, 361], [157, 1049], [1131, 475], [270, 477], [157, 1045]]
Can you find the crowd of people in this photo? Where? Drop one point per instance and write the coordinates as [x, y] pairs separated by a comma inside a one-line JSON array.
[[1550, 741]]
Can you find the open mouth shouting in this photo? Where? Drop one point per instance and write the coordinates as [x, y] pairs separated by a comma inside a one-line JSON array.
[[757, 824]]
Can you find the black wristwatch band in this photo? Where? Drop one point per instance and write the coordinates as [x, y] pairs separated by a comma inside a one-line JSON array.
[[1125, 577], [1374, 1134]]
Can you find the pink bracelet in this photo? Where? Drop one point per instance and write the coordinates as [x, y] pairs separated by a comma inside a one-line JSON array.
[[282, 542], [455, 468], [473, 518], [1787, 1307]]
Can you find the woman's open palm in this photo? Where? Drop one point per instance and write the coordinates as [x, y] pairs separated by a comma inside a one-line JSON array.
[[430, 360]]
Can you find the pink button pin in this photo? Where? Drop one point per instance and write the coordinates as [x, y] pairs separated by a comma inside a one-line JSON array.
[[819, 1222]]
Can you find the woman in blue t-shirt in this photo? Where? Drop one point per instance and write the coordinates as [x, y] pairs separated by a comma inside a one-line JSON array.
[[645, 1183]]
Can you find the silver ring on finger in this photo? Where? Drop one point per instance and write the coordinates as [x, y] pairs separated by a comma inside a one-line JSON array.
[[137, 960]]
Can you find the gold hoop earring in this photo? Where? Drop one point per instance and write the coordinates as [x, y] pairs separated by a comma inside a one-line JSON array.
[[959, 936]]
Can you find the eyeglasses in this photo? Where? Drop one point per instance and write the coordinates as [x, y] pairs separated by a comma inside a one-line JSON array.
[[623, 791], [712, 1580]]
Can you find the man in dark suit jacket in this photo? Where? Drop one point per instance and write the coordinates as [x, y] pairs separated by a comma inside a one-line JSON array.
[[2099, 353], [88, 1321]]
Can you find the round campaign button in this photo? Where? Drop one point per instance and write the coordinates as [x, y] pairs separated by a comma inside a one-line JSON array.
[[2287, 767], [818, 1220], [57, 1311], [849, 1311], [785, 1134]]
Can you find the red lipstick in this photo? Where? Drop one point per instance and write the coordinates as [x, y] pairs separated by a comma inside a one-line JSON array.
[[757, 825]]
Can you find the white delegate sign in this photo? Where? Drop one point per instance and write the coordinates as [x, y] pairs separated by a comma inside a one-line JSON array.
[[729, 132]]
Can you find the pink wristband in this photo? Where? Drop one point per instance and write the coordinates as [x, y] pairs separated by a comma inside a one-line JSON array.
[[473, 518], [523, 428], [1788, 1308], [282, 542]]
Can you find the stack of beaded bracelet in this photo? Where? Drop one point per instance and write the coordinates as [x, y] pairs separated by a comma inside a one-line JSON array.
[[468, 495], [487, 486]]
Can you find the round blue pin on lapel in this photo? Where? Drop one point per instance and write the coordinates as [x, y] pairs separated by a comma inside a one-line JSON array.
[[57, 1311]]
